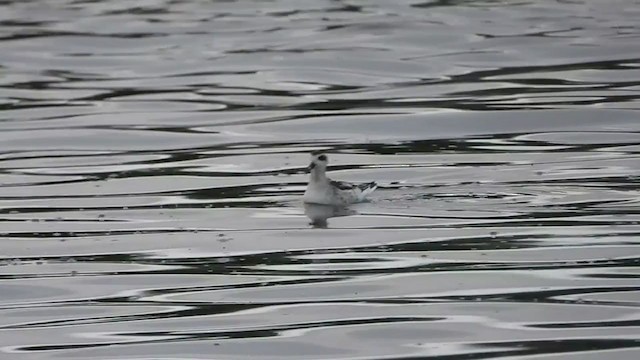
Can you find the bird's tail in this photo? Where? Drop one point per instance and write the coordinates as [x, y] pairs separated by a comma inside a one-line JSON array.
[[366, 189]]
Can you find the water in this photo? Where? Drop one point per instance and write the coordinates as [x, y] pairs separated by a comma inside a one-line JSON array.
[[152, 157]]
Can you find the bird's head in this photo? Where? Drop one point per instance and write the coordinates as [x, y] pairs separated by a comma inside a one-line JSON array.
[[319, 162]]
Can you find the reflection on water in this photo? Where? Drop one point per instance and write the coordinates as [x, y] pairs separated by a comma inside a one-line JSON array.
[[152, 161], [319, 214]]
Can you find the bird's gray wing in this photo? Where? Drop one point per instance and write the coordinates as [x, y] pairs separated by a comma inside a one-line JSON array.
[[341, 185]]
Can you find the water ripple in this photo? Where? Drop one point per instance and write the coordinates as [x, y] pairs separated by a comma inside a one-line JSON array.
[[153, 158]]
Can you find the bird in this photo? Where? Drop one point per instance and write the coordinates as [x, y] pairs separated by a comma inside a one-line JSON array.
[[322, 190]]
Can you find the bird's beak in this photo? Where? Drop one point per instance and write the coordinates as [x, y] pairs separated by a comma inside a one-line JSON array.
[[311, 166]]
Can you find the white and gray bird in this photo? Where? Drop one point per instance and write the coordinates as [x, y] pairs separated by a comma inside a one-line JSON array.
[[322, 190]]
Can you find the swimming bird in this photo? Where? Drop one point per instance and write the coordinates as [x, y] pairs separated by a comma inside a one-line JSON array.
[[322, 190]]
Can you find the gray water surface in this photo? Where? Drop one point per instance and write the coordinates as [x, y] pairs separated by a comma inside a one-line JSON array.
[[152, 159]]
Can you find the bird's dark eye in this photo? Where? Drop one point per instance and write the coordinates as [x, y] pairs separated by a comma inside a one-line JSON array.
[[322, 158]]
